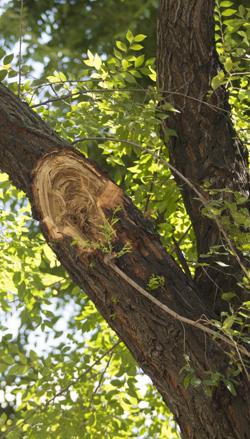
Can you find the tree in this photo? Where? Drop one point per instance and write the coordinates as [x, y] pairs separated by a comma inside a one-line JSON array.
[[113, 253]]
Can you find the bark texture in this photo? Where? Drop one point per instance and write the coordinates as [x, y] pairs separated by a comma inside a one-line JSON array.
[[67, 192], [206, 148]]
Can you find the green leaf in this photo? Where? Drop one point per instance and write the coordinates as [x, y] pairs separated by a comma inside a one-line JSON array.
[[121, 46], [228, 323], [12, 73], [117, 383], [152, 74], [125, 64], [22, 358], [3, 74], [228, 296], [17, 278], [187, 380], [228, 64], [18, 369], [57, 77], [136, 47], [8, 359], [226, 4], [140, 37], [8, 58], [129, 36], [3, 367], [218, 80], [139, 60], [195, 382], [97, 62], [118, 54], [3, 419], [2, 52], [230, 386], [228, 12]]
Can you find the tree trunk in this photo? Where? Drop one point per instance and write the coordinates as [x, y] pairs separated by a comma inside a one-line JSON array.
[[111, 251], [206, 148]]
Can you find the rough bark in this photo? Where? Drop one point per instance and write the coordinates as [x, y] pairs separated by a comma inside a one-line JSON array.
[[74, 201], [206, 148]]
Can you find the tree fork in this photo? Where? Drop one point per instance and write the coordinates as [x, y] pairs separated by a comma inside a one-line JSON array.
[[74, 202]]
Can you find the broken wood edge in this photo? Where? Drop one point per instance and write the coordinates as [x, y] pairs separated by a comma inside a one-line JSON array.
[[72, 198]]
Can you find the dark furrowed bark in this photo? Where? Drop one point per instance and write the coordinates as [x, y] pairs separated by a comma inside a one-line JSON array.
[[43, 166], [206, 148], [30, 139]]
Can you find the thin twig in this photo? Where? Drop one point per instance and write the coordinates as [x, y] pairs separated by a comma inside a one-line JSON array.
[[181, 258], [135, 90], [20, 50], [240, 358], [68, 81], [80, 93], [183, 236], [152, 184], [177, 250], [101, 378]]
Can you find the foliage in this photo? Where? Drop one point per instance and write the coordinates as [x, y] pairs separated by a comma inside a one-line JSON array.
[[211, 380], [61, 373], [155, 282], [57, 34], [64, 370], [232, 42], [6, 69]]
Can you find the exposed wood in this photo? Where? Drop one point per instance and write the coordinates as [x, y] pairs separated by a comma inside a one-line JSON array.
[[70, 195]]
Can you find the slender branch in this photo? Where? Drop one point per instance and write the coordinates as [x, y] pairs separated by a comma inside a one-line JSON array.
[[68, 81], [83, 92], [177, 250], [120, 90], [240, 358], [181, 258], [20, 50], [183, 236], [169, 311], [152, 184], [101, 378]]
